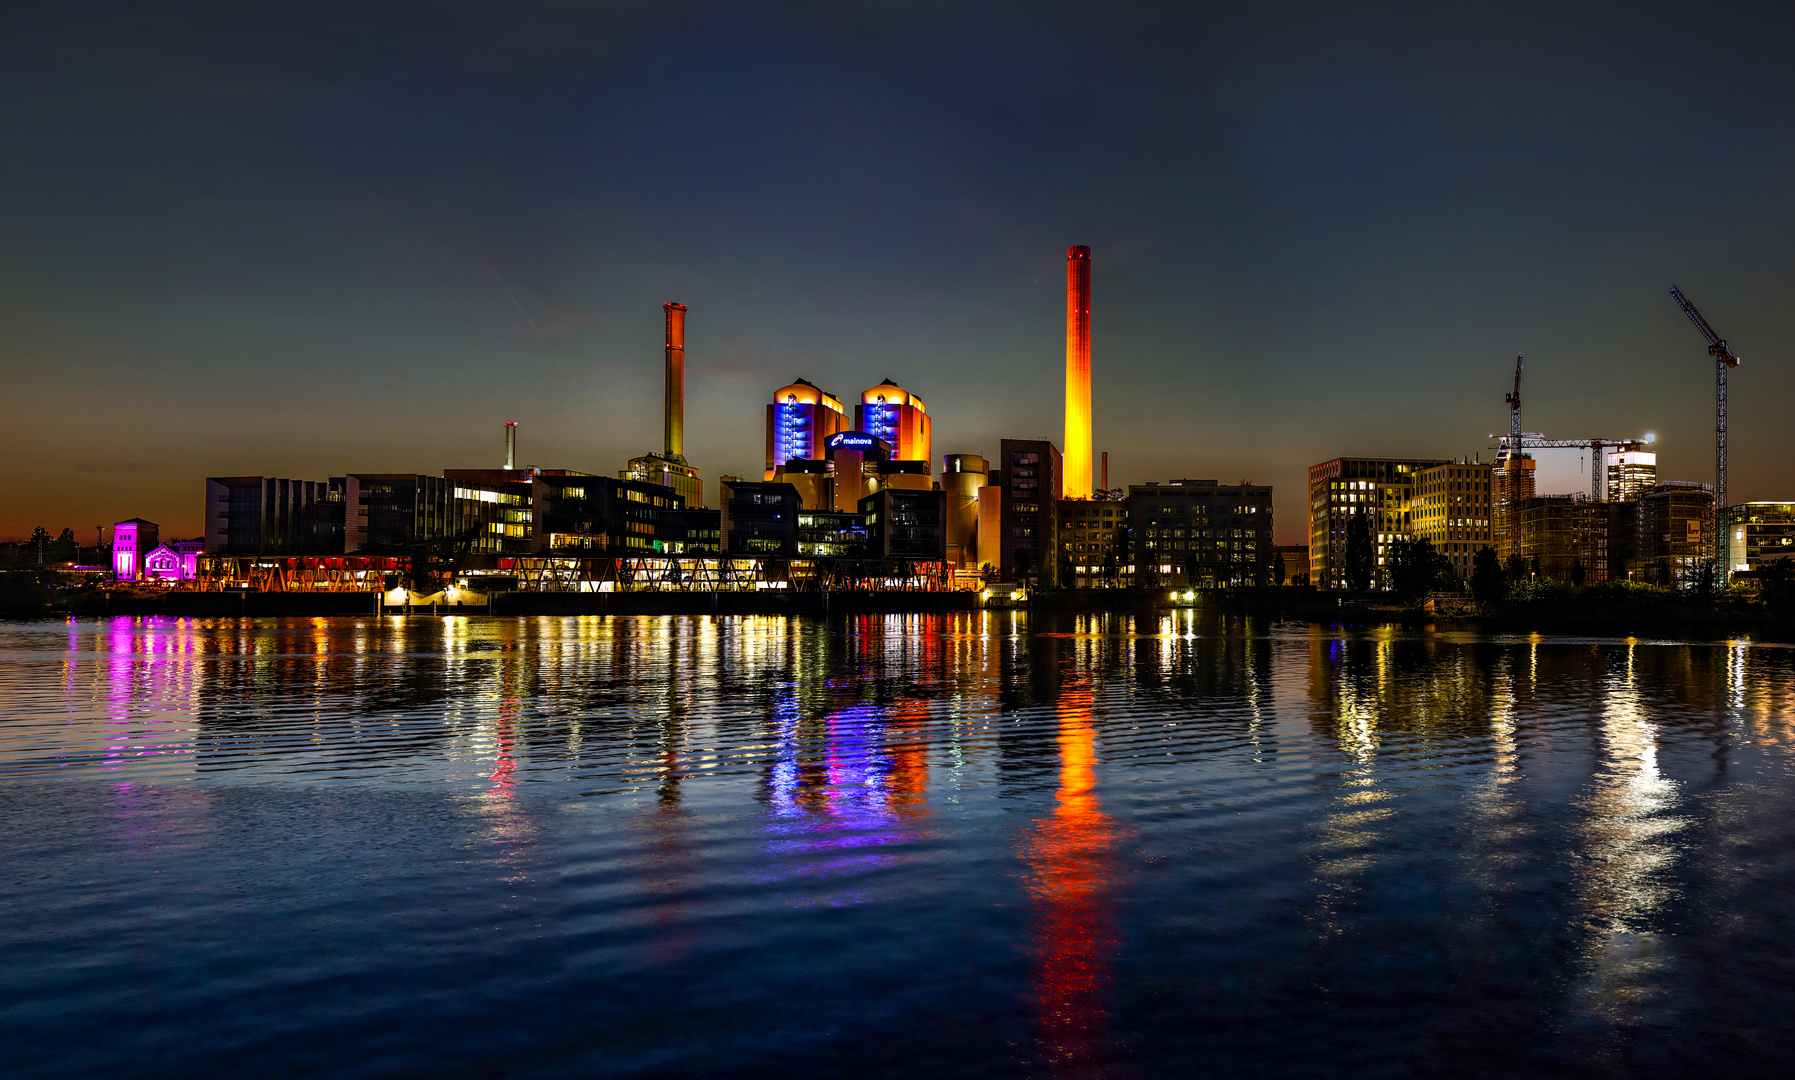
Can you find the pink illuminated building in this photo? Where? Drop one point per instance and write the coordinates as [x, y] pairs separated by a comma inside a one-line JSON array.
[[132, 539], [177, 560]]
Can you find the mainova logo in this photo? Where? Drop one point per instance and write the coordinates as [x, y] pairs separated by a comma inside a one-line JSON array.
[[857, 440]]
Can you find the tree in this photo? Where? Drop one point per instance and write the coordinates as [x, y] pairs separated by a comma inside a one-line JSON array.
[[1488, 583], [1515, 570], [1023, 562], [1278, 570], [1776, 585], [1360, 552], [1067, 577], [1577, 572], [1415, 568], [1707, 575]]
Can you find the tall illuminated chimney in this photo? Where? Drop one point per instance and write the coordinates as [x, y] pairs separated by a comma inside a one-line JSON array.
[[676, 381], [511, 444], [1078, 373]]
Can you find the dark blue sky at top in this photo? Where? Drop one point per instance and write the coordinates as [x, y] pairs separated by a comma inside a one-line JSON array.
[[310, 240]]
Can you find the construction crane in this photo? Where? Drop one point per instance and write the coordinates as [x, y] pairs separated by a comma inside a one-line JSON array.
[[1514, 408], [1534, 440], [1723, 359]]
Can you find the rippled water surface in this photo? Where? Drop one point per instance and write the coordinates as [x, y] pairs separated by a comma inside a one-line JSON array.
[[971, 845]]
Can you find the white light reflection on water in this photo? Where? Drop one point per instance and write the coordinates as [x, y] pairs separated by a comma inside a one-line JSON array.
[[1627, 849], [1351, 692]]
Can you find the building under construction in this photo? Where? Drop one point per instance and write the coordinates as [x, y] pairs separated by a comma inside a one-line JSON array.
[[1564, 538]]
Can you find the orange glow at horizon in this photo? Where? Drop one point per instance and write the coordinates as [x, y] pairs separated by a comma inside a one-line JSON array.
[[1074, 873], [1078, 373]]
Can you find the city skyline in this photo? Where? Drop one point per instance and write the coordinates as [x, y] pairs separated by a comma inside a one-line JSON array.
[[315, 268]]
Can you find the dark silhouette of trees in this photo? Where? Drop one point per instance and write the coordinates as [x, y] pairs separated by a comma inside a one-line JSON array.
[[1360, 552], [1415, 568], [1488, 582]]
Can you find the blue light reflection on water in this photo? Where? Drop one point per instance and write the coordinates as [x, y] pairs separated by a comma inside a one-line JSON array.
[[966, 845]]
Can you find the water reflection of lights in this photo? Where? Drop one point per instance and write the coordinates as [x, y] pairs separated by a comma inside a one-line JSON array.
[[1074, 871], [1629, 848], [836, 807]]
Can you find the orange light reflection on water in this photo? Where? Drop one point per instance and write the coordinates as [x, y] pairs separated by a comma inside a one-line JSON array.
[[1074, 875]]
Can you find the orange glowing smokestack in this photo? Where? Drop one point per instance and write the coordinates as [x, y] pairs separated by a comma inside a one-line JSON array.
[[676, 381], [1078, 373]]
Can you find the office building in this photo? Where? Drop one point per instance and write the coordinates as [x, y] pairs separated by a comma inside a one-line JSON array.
[[390, 512], [832, 534], [889, 412], [694, 531], [570, 512], [800, 420], [1757, 534], [132, 539], [1091, 532], [1451, 508], [265, 515], [1381, 489], [759, 517], [1032, 486], [962, 475], [906, 523], [1631, 473], [1201, 533]]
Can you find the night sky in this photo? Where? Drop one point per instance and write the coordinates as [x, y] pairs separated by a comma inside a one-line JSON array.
[[305, 242]]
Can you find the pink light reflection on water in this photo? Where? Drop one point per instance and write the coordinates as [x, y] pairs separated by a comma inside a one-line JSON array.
[[147, 668]]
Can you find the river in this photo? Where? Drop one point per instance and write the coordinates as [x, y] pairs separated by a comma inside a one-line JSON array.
[[985, 844]]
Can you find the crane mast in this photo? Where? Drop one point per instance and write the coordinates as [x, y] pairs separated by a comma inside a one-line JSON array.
[[1723, 360], [1514, 409]]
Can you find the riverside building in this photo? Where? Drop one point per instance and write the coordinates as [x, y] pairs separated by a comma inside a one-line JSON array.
[[1451, 509], [1202, 533], [1380, 488], [1757, 534], [1030, 490]]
